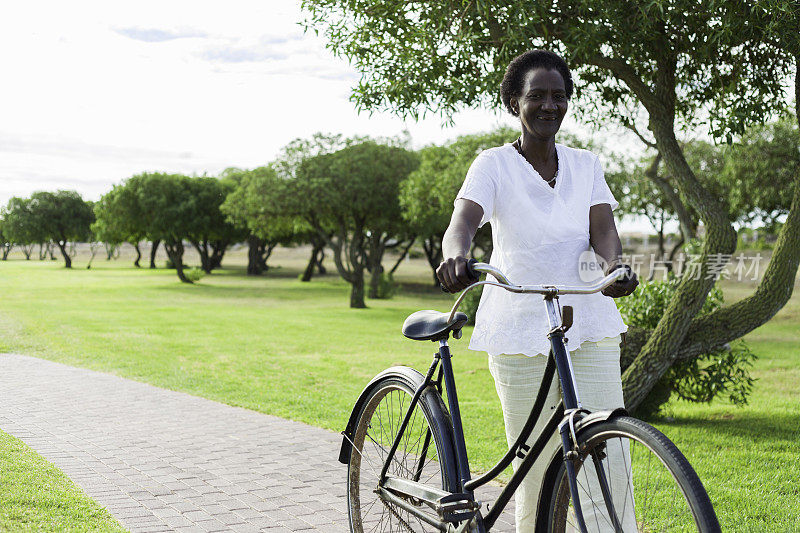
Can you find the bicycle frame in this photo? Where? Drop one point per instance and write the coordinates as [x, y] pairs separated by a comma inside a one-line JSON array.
[[460, 505]]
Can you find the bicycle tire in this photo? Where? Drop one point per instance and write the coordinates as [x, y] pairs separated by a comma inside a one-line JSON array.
[[388, 401], [686, 506]]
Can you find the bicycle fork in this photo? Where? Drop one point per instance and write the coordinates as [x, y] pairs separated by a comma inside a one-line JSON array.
[[572, 404]]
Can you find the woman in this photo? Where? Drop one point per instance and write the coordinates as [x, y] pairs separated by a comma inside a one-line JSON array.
[[548, 205]]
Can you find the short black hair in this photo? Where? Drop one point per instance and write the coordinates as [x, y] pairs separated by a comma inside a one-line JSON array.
[[522, 64]]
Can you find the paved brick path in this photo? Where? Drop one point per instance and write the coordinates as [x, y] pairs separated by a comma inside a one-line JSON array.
[[161, 460]]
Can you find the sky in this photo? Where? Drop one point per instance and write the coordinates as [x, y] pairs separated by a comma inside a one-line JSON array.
[[94, 92]]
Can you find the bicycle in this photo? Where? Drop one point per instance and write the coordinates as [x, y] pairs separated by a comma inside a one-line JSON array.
[[408, 468]]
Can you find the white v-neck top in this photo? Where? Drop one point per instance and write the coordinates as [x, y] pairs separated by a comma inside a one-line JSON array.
[[539, 234]]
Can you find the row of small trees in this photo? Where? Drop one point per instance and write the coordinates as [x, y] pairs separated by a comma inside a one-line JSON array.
[[360, 197]]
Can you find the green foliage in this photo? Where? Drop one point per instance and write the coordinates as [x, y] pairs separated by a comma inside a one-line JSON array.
[[645, 307], [21, 226], [195, 274], [387, 287], [118, 215], [760, 171], [350, 198], [426, 197], [257, 202], [719, 373], [417, 57], [63, 215]]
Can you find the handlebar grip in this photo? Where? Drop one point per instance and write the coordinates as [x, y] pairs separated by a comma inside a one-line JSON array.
[[471, 271]]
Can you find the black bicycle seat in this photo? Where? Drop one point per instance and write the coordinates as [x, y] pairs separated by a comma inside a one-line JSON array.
[[432, 325]]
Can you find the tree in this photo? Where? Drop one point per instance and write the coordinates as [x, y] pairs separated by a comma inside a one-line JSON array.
[[253, 203], [21, 226], [120, 218], [285, 167], [63, 217], [5, 240], [354, 193], [674, 62], [771, 150], [171, 209], [211, 233]]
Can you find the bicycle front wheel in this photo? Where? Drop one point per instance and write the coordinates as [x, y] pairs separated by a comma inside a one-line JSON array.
[[651, 485], [424, 455]]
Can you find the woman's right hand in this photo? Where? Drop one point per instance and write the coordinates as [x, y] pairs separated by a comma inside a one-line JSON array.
[[454, 274]]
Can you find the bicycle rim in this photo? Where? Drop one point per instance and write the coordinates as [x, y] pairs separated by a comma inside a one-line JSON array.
[[378, 424], [652, 486]]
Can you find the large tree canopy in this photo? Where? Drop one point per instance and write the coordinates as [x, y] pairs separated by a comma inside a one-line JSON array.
[[350, 198], [680, 63], [255, 203], [119, 217], [21, 226], [63, 216]]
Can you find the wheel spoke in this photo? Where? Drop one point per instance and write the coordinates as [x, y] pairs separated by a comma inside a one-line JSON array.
[[649, 492], [380, 421]]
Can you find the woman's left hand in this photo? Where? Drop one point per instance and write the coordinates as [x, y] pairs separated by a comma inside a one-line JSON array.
[[623, 286]]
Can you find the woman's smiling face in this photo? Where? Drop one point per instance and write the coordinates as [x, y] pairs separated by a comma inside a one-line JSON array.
[[542, 103]]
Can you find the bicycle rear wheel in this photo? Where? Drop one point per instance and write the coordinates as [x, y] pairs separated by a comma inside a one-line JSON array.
[[652, 485], [425, 454]]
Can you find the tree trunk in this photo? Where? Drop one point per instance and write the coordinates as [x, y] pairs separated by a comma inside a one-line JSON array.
[[255, 251], [153, 251], [317, 247], [377, 247], [27, 250], [62, 245], [375, 281], [321, 270], [93, 251], [6, 249], [138, 254], [218, 249], [357, 289], [659, 352], [202, 250], [774, 290], [42, 252], [175, 253], [432, 246]]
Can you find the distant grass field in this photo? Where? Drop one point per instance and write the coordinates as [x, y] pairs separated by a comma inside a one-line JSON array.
[[36, 496], [293, 349]]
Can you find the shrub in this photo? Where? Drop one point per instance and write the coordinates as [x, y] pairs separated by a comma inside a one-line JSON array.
[[194, 274], [720, 373], [386, 287]]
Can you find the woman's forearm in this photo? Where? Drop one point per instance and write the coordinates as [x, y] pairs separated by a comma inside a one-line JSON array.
[[458, 237], [608, 249], [603, 236]]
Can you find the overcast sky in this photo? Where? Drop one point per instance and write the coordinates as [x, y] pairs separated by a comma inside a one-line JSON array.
[[94, 92]]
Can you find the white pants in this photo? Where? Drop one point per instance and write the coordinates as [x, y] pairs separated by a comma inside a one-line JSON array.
[[597, 374]]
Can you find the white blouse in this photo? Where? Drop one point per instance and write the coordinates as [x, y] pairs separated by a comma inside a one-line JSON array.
[[539, 235]]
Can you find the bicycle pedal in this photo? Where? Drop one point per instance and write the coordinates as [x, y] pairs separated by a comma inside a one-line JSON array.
[[457, 507]]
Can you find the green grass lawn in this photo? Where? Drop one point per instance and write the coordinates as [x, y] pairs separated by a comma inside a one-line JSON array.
[[37, 496], [293, 349]]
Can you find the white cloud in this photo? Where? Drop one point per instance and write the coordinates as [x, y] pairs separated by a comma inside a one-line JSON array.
[[156, 35]]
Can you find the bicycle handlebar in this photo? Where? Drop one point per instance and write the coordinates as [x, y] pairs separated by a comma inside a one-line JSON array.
[[547, 290]]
